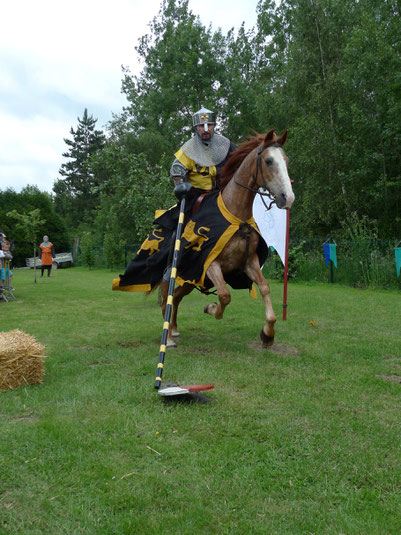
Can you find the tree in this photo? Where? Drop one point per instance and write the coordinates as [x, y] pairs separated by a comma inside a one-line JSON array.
[[75, 195], [131, 190], [31, 198], [87, 250], [183, 69], [30, 224], [335, 68]]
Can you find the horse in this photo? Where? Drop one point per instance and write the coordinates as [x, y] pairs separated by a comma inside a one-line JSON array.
[[259, 163]]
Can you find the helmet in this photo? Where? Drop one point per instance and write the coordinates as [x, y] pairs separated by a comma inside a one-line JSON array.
[[203, 116]]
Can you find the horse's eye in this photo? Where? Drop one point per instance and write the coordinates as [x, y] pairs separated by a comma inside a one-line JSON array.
[[269, 161]]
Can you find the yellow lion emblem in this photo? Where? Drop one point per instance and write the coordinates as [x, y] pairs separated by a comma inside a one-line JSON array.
[[152, 244], [196, 238]]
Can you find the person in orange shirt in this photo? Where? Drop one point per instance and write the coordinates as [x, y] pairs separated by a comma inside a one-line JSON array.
[[46, 255]]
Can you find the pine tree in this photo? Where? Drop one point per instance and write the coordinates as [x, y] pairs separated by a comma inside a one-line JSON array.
[[75, 194]]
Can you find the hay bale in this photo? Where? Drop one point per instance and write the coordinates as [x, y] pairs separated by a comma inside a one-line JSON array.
[[21, 360]]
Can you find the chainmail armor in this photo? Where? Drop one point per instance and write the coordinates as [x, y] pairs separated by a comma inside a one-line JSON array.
[[178, 170], [207, 154]]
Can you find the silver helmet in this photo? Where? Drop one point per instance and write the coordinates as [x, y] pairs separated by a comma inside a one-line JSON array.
[[203, 116]]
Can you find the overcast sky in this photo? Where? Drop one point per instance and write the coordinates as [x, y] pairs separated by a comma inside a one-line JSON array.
[[58, 58]]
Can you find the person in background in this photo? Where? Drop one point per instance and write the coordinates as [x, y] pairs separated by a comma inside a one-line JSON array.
[[46, 255], [2, 235], [7, 256]]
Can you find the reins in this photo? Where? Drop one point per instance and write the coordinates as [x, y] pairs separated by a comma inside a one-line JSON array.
[[255, 178]]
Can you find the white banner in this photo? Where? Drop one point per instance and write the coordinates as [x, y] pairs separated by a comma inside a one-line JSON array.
[[272, 225]]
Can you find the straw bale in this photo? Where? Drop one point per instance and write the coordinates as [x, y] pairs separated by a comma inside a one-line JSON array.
[[21, 360]]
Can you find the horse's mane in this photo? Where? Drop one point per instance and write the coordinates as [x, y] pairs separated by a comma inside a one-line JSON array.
[[238, 156]]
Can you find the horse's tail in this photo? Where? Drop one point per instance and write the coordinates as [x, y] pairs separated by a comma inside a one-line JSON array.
[[155, 287], [149, 292]]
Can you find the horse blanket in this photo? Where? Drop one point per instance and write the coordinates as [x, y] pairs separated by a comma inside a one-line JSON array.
[[205, 235]]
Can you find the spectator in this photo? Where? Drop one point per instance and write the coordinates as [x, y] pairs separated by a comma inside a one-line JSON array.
[[46, 255], [5, 257]]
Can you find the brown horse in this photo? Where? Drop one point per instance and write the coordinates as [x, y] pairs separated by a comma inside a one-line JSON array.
[[258, 163]]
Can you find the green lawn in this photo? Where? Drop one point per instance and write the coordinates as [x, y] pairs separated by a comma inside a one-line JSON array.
[[303, 441]]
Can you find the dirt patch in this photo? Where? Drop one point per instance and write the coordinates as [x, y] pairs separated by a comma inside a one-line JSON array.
[[24, 419], [390, 378], [202, 351], [278, 349], [104, 363], [135, 343]]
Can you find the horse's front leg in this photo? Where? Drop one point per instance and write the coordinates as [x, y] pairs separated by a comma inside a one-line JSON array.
[[252, 269], [216, 276]]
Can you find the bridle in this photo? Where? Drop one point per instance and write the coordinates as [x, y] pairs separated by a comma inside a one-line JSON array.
[[255, 178]]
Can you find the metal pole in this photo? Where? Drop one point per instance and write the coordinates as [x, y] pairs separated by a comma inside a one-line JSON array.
[[169, 306], [287, 239]]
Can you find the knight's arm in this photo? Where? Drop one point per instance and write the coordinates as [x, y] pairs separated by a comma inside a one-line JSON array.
[[179, 173]]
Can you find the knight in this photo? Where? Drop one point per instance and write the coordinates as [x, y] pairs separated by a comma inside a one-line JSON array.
[[195, 172], [201, 158]]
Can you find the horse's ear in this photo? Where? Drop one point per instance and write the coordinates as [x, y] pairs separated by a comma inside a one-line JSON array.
[[283, 138], [269, 138]]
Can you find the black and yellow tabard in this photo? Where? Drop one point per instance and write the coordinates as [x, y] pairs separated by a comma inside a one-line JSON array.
[[201, 177], [204, 237]]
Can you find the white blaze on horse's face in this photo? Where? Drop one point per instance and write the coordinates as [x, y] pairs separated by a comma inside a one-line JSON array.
[[275, 173]]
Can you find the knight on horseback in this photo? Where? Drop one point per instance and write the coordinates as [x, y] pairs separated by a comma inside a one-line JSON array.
[[220, 244], [195, 172], [200, 160]]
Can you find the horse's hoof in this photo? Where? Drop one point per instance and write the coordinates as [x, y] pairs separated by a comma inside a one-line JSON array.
[[171, 344], [267, 341], [176, 334], [210, 309]]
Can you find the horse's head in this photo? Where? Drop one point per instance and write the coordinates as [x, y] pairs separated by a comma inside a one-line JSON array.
[[271, 169]]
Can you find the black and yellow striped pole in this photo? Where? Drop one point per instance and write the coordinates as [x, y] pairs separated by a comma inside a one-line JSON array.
[[180, 191]]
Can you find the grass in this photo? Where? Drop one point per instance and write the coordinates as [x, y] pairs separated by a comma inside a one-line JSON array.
[[289, 444]]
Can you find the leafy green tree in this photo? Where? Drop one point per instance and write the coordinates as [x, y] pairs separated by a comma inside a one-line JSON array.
[[112, 249], [370, 114], [30, 224], [241, 87], [31, 198], [87, 256], [334, 66], [183, 69], [75, 196], [130, 192]]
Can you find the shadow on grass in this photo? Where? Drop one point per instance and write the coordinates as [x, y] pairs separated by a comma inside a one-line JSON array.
[[192, 397]]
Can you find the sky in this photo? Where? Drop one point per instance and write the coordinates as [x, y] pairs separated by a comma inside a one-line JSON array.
[[59, 57]]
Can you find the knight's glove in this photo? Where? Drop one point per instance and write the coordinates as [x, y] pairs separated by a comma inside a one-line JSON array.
[[185, 189]]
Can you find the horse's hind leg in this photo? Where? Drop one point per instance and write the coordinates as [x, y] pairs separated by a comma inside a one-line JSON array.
[[252, 269], [172, 328], [179, 293], [215, 274], [173, 318]]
